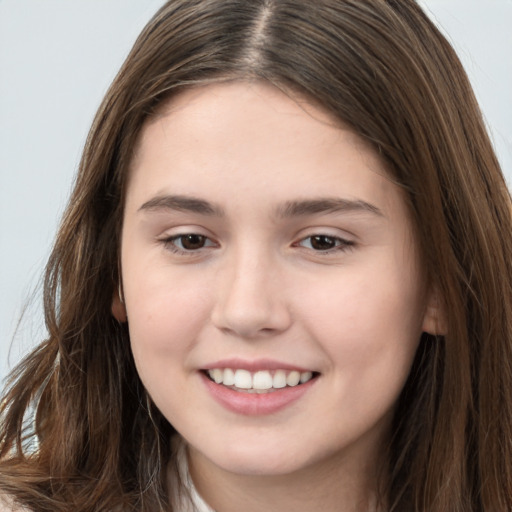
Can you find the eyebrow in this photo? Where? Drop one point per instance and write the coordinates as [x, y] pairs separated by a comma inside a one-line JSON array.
[[326, 205], [298, 208], [183, 203]]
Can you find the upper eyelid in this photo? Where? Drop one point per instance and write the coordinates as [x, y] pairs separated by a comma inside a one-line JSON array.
[[182, 230], [333, 232], [344, 241], [327, 235], [345, 236], [168, 238], [173, 232]]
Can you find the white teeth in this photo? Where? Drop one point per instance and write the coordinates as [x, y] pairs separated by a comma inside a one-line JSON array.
[[293, 378], [217, 375], [279, 379], [260, 381], [305, 376], [229, 377], [243, 379]]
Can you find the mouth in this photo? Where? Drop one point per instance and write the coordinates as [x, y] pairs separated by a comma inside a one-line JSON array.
[[259, 382]]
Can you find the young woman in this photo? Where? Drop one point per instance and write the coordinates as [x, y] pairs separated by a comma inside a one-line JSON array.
[[283, 281]]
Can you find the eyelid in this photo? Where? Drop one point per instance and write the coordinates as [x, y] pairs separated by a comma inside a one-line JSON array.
[[340, 243], [182, 230], [168, 241], [326, 230], [344, 241]]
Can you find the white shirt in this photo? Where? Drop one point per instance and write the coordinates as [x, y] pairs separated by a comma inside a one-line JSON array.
[[188, 499]]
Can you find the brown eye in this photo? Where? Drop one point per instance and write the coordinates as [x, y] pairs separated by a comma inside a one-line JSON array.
[[325, 243], [322, 242], [190, 242]]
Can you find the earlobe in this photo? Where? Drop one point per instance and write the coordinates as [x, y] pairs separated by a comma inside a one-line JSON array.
[[434, 319], [118, 308]]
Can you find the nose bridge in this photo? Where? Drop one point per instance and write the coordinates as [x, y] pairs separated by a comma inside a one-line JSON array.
[[249, 301]]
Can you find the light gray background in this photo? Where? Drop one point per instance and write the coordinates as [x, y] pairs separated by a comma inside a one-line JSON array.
[[57, 58]]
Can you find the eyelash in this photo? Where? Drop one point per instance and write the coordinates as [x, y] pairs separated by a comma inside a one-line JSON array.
[[340, 244], [170, 244]]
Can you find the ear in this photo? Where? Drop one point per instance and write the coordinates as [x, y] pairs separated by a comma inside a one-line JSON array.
[[434, 320], [118, 308]]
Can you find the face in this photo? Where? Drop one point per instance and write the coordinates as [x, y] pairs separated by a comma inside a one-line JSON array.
[[272, 288]]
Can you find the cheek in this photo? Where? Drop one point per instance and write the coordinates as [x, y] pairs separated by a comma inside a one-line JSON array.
[[165, 316], [164, 322], [369, 330], [365, 321]]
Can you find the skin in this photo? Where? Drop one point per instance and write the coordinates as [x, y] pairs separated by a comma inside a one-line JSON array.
[[258, 287]]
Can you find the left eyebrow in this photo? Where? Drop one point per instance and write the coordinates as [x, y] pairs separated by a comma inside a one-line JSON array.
[[326, 205]]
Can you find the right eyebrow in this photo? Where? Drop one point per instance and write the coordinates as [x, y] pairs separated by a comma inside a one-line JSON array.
[[183, 203]]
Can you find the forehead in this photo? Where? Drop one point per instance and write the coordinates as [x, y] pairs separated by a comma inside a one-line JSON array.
[[243, 102], [251, 137]]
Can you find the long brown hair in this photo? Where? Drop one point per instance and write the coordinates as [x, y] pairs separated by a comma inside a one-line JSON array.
[[77, 430]]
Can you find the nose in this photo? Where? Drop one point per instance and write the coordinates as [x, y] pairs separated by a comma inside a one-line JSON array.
[[251, 298]]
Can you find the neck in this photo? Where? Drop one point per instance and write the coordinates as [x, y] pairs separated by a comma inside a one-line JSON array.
[[327, 487]]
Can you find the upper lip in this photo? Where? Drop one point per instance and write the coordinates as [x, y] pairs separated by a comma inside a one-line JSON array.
[[254, 365]]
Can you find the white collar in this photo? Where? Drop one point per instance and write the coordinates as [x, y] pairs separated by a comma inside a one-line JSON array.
[[184, 495]]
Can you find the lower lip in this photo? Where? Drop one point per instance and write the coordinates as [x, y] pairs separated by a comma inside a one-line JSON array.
[[256, 404]]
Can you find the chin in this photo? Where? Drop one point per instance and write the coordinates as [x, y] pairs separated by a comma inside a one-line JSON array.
[[252, 460]]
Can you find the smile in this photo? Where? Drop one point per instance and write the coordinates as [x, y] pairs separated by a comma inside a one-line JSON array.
[[261, 381]]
